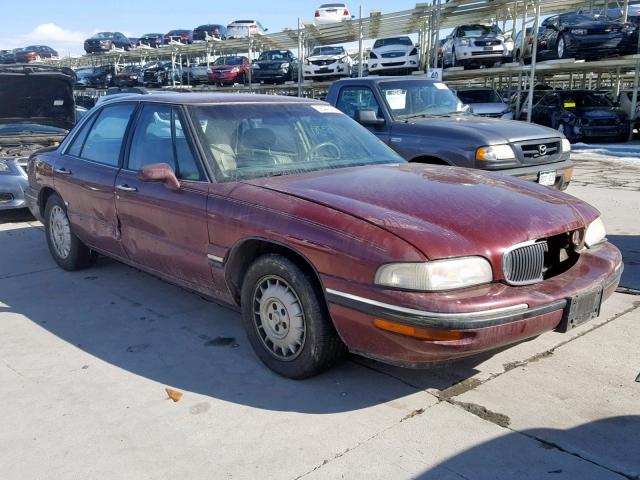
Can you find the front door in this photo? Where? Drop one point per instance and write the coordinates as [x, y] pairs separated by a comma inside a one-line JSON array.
[[162, 229], [352, 99], [85, 173]]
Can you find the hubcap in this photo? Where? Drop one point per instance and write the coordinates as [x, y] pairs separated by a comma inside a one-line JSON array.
[[60, 231], [561, 48], [278, 318]]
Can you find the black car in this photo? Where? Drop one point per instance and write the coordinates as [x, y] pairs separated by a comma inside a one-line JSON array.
[[572, 35], [208, 31], [582, 114], [106, 41], [7, 57], [95, 77], [153, 40], [159, 74], [180, 36], [275, 66]]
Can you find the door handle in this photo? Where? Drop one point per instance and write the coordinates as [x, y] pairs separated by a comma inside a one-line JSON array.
[[126, 188], [62, 171]]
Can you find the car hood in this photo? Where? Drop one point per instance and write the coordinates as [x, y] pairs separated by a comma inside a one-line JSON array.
[[487, 131], [37, 94], [334, 58], [496, 107], [442, 211], [393, 48]]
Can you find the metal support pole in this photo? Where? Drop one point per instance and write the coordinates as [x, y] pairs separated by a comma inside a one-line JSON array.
[[522, 45], [625, 11], [634, 96], [360, 47], [436, 42], [617, 90], [534, 54], [250, 53], [300, 59]]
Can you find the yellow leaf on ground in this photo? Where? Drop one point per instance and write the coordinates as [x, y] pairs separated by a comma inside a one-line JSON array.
[[173, 394]]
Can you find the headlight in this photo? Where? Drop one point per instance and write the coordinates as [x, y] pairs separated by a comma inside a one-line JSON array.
[[413, 52], [436, 275], [372, 55], [596, 233], [307, 62], [235, 70], [464, 42], [285, 65], [256, 66], [4, 168], [566, 145], [495, 152], [579, 31]]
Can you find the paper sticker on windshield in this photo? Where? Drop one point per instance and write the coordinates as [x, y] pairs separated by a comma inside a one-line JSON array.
[[325, 109], [58, 103], [569, 104], [397, 99], [440, 86]]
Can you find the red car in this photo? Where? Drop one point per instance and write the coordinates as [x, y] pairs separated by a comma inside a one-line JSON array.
[[229, 70], [324, 237], [34, 52]]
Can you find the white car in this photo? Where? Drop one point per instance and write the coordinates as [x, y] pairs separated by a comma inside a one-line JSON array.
[[331, 13], [328, 62], [477, 45], [393, 55], [241, 28]]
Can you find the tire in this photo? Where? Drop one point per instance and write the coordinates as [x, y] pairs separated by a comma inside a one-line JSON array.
[[454, 60], [516, 56], [275, 285], [65, 248]]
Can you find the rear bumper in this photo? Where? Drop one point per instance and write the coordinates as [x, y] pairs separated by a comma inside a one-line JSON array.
[[487, 321]]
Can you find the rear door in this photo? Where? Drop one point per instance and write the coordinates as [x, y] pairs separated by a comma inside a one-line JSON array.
[[164, 230], [85, 174]]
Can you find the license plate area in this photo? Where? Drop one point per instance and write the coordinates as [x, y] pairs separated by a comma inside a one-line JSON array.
[[581, 309], [547, 178], [488, 49]]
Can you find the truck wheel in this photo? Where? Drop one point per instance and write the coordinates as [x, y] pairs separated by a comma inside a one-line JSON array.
[[285, 319], [66, 249]]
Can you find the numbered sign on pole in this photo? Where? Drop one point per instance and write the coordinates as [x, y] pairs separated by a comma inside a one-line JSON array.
[[434, 74]]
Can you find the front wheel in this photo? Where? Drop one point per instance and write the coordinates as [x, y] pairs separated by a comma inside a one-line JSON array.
[[66, 249], [561, 47], [285, 319]]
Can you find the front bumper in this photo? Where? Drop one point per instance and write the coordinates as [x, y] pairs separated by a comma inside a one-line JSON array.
[[601, 131], [490, 316], [480, 55], [225, 77], [331, 70], [269, 75], [397, 64], [12, 188], [563, 169]]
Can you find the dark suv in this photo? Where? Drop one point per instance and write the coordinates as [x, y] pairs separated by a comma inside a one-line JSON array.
[[95, 77], [106, 41], [34, 52], [275, 66], [211, 30]]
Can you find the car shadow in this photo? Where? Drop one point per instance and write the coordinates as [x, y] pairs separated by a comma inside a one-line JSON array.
[[629, 245], [163, 333], [605, 444], [16, 216]]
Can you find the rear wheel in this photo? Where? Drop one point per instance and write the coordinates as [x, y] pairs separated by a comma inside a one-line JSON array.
[[66, 249], [561, 47], [285, 319]]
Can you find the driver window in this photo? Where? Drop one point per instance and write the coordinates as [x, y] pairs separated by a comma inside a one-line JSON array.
[[353, 99]]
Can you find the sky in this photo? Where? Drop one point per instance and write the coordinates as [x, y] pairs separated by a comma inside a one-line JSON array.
[[64, 25]]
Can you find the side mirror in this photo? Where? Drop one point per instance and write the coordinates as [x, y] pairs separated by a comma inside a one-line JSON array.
[[369, 117], [160, 172]]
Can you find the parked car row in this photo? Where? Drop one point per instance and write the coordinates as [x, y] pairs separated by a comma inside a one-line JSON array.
[[32, 53]]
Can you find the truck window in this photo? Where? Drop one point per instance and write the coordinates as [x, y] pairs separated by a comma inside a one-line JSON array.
[[353, 99]]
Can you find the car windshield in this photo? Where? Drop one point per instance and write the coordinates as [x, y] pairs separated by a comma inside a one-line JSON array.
[[271, 139], [383, 42], [228, 61], [585, 100], [478, 30], [418, 98], [274, 55], [575, 18], [103, 35], [26, 128], [328, 51], [479, 96], [84, 72]]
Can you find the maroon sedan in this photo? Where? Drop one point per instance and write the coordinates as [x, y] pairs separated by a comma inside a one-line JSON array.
[[324, 237], [229, 70], [33, 53]]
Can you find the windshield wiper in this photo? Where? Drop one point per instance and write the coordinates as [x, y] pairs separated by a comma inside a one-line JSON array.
[[426, 115]]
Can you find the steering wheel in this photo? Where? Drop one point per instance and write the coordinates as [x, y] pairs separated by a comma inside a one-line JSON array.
[[314, 151]]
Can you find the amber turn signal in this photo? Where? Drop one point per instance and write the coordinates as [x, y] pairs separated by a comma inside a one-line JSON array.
[[421, 333]]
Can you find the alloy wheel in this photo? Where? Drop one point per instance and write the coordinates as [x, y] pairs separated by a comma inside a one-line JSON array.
[[561, 47], [279, 318]]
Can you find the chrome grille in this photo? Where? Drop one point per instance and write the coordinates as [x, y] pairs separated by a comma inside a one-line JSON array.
[[524, 264], [393, 54], [321, 63], [487, 43], [538, 149]]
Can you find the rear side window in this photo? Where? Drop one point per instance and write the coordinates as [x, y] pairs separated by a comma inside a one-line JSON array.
[[78, 141], [104, 141]]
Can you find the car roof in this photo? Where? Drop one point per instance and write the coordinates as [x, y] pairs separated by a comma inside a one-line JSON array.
[[191, 98], [376, 79]]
